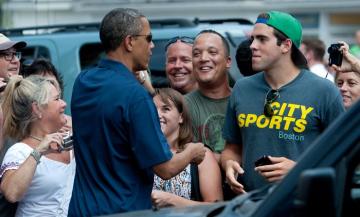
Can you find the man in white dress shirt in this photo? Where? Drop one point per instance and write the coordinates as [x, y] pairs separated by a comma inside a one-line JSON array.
[[314, 51]]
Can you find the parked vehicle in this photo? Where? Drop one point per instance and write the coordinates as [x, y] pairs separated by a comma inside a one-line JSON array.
[[324, 182], [75, 47]]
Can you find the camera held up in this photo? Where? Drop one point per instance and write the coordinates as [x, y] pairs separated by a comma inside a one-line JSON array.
[[335, 55]]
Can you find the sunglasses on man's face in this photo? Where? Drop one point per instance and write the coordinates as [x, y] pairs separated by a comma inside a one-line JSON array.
[[183, 39], [148, 38], [271, 96]]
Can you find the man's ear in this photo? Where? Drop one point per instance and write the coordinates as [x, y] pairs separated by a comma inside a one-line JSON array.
[[128, 43], [228, 62], [36, 110], [286, 45]]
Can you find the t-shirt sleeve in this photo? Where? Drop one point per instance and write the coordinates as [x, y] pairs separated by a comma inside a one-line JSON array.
[[14, 157], [231, 131], [146, 138]]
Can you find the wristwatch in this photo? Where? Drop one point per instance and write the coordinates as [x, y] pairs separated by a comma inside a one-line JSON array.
[[36, 155]]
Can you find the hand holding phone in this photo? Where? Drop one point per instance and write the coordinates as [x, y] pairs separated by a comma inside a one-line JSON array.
[[264, 160]]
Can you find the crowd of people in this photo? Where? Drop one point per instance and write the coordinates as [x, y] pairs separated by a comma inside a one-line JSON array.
[[195, 142]]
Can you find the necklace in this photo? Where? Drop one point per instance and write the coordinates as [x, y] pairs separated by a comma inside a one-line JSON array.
[[36, 138]]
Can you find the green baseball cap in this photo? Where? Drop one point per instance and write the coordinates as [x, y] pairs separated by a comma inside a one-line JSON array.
[[286, 24]]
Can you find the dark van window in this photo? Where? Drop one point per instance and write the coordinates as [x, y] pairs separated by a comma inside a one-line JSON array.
[[28, 54], [90, 54], [157, 64]]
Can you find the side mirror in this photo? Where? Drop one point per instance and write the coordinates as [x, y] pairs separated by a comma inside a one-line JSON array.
[[315, 194]]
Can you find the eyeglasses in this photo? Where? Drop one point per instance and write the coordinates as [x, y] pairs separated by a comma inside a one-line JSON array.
[[183, 39], [9, 56], [148, 38], [271, 96]]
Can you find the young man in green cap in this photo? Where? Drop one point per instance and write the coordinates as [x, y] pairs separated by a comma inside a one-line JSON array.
[[278, 112]]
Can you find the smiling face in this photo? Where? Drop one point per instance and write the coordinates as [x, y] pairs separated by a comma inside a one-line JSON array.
[[170, 118], [210, 62], [349, 85], [9, 68], [179, 68], [53, 112]]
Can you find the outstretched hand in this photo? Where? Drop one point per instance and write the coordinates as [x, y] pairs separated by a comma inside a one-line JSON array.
[[233, 170]]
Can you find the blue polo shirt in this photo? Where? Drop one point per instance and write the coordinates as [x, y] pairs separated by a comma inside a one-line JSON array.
[[117, 141]]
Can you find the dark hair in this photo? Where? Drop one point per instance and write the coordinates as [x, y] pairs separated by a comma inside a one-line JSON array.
[[297, 57], [317, 46], [42, 67], [243, 58], [118, 24], [169, 94], [223, 39]]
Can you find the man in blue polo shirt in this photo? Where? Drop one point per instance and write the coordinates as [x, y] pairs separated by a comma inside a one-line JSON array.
[[118, 141]]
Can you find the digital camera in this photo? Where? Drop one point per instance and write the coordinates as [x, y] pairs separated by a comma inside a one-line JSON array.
[[335, 55], [67, 143]]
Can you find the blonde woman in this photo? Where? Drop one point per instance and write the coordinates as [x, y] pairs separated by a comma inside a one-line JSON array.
[[35, 172], [348, 76]]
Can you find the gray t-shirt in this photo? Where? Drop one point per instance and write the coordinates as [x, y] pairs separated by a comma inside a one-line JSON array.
[[207, 117], [306, 106]]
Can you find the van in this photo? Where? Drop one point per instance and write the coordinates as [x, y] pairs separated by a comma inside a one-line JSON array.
[[73, 48]]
